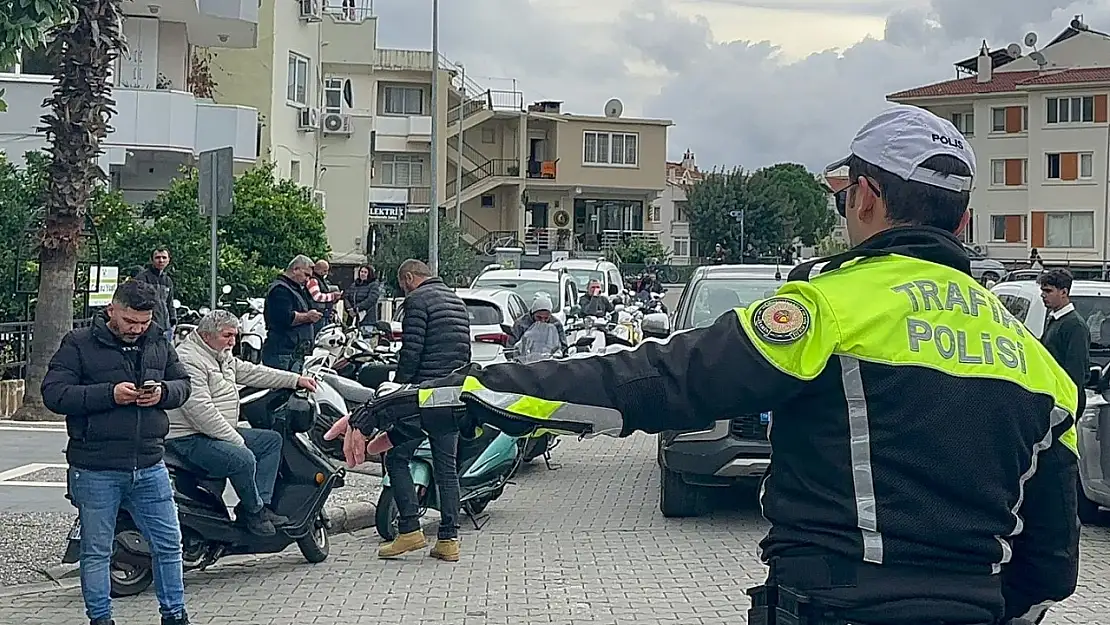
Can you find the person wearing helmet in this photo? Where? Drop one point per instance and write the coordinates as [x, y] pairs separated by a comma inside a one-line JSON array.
[[593, 303], [925, 462], [539, 312]]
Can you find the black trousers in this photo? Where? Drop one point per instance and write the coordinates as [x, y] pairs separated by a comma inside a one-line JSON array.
[[868, 594]]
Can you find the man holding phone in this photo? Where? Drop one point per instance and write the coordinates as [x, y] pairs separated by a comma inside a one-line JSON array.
[[114, 381]]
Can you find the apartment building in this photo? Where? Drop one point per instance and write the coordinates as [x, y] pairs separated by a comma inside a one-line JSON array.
[[668, 212], [1038, 124], [164, 117]]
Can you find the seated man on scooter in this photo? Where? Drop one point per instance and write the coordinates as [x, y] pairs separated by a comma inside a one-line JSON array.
[[539, 312], [204, 431], [593, 303]]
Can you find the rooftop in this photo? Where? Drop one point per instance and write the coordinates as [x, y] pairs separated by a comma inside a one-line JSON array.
[[1006, 82]]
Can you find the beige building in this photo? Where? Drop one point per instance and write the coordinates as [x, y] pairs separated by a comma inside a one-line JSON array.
[[668, 212], [164, 118], [353, 121], [1039, 127]]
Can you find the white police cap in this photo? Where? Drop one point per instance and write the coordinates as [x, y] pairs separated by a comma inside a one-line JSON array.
[[903, 137]]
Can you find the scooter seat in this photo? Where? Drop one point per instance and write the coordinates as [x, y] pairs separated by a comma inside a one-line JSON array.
[[179, 465], [349, 389]]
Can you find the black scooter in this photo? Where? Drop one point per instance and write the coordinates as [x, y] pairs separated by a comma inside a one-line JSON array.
[[305, 480]]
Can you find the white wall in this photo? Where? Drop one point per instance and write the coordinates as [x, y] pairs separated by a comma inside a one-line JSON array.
[[290, 145]]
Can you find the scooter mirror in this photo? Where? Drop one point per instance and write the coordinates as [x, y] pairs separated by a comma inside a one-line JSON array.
[[176, 303], [225, 289], [204, 310]]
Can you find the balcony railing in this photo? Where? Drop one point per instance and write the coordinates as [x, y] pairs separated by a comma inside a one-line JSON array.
[[420, 196], [499, 167], [349, 11], [613, 238], [543, 170], [490, 100], [548, 239], [468, 150], [485, 240]]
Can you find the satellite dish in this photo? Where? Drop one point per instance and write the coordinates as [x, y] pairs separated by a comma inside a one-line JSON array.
[[1077, 24], [1039, 58], [614, 108], [1031, 39], [1014, 50]]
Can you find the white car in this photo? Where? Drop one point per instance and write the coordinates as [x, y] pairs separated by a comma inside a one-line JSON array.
[[582, 270], [1092, 302], [492, 313], [528, 283]]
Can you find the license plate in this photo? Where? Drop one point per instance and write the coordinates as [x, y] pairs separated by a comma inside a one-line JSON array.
[[765, 418], [75, 533]]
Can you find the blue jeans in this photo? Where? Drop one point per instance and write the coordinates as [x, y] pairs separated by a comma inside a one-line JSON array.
[[148, 496], [251, 470], [285, 362], [169, 335]]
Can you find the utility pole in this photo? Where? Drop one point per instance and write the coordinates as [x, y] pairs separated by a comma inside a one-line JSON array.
[[458, 161], [433, 194]]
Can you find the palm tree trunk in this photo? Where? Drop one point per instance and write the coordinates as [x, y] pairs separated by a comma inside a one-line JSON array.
[[80, 106]]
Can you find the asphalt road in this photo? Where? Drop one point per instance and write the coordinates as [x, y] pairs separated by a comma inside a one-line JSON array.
[[32, 468]]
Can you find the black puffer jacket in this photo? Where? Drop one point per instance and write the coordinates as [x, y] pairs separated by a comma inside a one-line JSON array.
[[79, 384], [435, 333], [363, 296], [165, 314]]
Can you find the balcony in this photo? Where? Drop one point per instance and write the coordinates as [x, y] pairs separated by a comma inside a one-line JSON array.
[[395, 132], [211, 23], [409, 196]]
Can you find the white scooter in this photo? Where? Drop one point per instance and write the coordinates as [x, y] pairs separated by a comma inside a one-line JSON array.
[[252, 328]]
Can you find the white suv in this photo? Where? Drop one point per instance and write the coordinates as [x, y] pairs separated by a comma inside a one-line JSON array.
[[528, 283], [582, 270]]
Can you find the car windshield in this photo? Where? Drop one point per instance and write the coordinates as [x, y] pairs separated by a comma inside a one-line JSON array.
[[713, 298], [482, 313], [1095, 310], [526, 289], [582, 278]]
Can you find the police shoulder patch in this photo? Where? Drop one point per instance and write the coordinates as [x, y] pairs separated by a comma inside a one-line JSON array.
[[780, 320]]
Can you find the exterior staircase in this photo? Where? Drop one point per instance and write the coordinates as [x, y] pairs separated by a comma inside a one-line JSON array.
[[471, 159], [488, 176], [480, 108]]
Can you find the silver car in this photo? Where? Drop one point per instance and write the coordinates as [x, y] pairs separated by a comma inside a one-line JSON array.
[[983, 268]]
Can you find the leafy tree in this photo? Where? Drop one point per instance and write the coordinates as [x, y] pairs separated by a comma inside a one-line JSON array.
[[810, 214], [24, 24], [637, 251], [457, 264], [83, 49], [766, 227], [273, 221]]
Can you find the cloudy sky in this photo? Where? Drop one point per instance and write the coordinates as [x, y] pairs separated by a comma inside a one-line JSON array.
[[747, 82]]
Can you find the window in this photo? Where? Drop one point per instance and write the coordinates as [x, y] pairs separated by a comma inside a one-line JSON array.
[[1070, 110], [680, 211], [404, 101], [605, 148], [1017, 305], [297, 81], [654, 214], [295, 171], [1010, 119], [1076, 230], [968, 234], [32, 62], [1009, 172], [681, 246], [333, 95], [402, 170], [1069, 166], [1008, 228], [965, 123]]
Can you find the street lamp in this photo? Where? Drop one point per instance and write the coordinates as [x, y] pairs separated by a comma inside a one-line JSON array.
[[433, 193]]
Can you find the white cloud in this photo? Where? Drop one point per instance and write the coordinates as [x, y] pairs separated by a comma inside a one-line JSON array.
[[733, 74]]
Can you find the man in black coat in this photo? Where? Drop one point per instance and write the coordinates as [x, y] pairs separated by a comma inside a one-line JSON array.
[[165, 314], [1067, 337], [114, 381], [289, 317], [435, 340]]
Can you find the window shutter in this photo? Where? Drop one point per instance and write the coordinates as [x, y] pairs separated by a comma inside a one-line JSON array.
[[1013, 119], [1013, 228], [1100, 108], [1013, 172], [1036, 228], [1069, 166]]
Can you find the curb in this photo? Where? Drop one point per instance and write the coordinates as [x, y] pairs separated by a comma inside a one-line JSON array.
[[345, 519]]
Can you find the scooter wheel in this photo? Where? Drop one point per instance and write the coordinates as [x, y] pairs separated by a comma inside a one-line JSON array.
[[386, 516], [130, 575], [316, 545]]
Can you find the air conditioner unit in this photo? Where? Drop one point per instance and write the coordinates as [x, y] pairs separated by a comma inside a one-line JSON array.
[[337, 124], [308, 119], [320, 198], [311, 10]]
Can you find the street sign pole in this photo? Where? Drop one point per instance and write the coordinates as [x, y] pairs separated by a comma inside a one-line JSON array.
[[433, 208], [215, 182]]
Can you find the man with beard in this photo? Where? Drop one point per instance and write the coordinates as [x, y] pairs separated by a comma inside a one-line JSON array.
[[165, 315], [114, 381], [204, 429]]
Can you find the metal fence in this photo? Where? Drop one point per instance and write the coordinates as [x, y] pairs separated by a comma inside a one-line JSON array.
[[15, 347]]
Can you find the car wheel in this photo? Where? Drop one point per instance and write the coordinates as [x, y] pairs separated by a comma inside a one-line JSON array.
[[677, 499], [1089, 511]]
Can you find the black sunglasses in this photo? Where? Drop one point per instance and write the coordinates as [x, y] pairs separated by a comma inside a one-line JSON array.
[[841, 196]]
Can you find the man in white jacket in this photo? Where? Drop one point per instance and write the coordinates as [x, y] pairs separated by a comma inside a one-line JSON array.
[[204, 430]]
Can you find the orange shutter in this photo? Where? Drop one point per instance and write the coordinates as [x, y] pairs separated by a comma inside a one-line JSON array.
[[1100, 109], [1036, 228], [1013, 172], [1069, 166], [1013, 119], [1013, 229]]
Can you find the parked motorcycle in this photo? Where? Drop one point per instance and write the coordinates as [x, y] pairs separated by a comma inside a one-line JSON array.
[[252, 330], [305, 480]]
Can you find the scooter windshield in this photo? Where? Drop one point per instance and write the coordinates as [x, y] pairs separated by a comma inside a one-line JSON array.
[[540, 342]]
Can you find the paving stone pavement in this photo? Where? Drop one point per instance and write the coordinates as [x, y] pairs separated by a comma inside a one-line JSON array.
[[581, 545]]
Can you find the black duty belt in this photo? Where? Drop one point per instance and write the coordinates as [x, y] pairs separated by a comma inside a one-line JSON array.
[[779, 605]]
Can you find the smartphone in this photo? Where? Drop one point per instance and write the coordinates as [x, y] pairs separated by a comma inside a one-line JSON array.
[[148, 388]]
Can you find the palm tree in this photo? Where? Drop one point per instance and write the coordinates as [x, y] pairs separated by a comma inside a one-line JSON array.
[[85, 48]]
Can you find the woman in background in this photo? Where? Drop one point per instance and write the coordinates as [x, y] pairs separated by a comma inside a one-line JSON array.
[[363, 296]]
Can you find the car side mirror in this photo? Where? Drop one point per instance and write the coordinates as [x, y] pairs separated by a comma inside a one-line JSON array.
[[574, 311], [613, 289], [507, 329]]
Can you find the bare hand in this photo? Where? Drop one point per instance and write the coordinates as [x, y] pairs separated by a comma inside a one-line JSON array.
[[339, 429], [125, 394], [306, 383], [314, 316], [379, 445], [354, 447], [146, 400]]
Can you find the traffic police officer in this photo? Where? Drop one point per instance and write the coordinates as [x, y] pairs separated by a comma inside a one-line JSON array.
[[925, 463]]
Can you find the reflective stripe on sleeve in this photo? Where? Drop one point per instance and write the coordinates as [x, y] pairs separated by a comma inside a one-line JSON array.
[[600, 420]]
